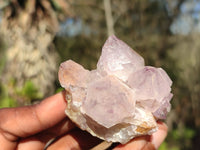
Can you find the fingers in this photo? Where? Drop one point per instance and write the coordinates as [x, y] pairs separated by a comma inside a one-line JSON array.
[[76, 139], [25, 121], [29, 120], [39, 141], [147, 142], [5, 144], [159, 136], [137, 144]]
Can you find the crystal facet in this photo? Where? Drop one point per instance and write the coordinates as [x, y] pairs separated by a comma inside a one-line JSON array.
[[151, 86], [119, 100], [118, 59], [104, 93]]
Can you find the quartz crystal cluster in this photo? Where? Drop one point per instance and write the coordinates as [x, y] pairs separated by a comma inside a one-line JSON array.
[[119, 100]]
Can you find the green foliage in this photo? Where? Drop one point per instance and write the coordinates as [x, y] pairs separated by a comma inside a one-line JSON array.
[[185, 133], [165, 146], [16, 96], [7, 102], [29, 90], [2, 54], [180, 138], [59, 90]]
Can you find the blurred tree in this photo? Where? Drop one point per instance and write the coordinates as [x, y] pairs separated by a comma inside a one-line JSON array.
[[146, 25], [184, 54], [109, 18], [29, 27], [134, 21], [186, 65], [187, 20]]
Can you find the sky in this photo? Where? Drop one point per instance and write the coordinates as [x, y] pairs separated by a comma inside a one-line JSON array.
[[188, 21]]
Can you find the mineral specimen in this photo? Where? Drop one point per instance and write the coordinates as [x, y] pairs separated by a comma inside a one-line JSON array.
[[119, 100]]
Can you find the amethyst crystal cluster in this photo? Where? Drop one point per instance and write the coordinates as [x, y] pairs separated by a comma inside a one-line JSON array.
[[119, 100]]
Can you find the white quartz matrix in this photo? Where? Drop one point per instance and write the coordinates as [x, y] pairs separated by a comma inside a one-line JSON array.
[[119, 100]]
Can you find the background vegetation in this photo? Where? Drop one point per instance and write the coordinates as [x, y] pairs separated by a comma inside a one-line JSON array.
[[37, 35]]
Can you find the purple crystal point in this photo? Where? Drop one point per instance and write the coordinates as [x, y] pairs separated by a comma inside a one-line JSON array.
[[118, 59], [121, 98], [151, 86]]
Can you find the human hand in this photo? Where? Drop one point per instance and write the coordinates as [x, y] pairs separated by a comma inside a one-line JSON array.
[[31, 127]]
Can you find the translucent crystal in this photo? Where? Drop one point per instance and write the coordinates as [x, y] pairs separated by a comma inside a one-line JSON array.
[[121, 98], [104, 93], [118, 59], [151, 86], [71, 73]]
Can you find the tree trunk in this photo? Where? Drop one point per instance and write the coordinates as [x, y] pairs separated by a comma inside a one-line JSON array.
[[31, 56], [109, 18]]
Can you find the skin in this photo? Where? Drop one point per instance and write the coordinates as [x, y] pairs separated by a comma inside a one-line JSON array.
[[31, 127]]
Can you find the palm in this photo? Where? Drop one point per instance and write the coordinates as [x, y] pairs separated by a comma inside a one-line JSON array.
[[28, 28]]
